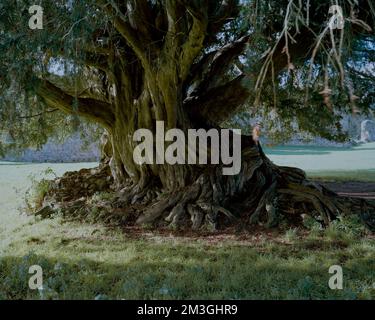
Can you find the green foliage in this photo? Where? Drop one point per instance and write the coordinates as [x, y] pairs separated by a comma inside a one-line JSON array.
[[25, 53], [291, 234], [61, 50], [343, 228], [346, 227], [35, 195], [294, 102], [103, 196]]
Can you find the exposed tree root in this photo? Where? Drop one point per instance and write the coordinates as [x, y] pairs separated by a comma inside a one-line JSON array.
[[262, 193]]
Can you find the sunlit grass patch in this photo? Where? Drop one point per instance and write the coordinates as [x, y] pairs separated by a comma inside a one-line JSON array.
[[124, 268]]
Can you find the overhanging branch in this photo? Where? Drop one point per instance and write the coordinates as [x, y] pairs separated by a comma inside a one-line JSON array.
[[98, 111]]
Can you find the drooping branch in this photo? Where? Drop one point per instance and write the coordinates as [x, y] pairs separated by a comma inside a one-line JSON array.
[[98, 111]]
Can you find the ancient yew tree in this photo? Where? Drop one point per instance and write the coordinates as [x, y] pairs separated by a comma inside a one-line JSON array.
[[126, 64]]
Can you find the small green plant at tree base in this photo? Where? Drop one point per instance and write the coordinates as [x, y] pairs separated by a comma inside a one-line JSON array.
[[346, 227], [103, 197], [291, 234], [314, 226], [38, 190]]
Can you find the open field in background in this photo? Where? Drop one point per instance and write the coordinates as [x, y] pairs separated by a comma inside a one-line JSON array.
[[340, 162], [90, 261]]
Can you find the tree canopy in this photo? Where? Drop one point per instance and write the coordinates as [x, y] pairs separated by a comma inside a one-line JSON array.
[[277, 56]]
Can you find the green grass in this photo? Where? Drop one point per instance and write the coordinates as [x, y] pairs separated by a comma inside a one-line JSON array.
[[329, 163], [342, 176], [325, 159], [116, 267], [82, 261]]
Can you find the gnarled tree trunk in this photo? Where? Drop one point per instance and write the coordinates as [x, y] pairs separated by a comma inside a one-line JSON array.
[[167, 70], [196, 195]]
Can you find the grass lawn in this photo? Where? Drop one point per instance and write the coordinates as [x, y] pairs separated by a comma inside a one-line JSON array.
[[90, 261], [326, 159], [87, 263], [342, 176]]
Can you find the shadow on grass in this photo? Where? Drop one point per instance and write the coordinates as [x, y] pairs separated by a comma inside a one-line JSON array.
[[184, 272]]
